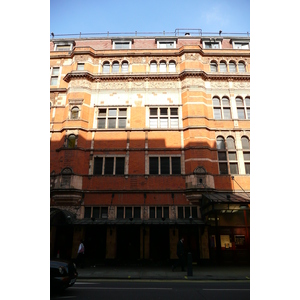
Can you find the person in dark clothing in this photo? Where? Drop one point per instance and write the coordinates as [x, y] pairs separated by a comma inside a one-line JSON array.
[[180, 254], [80, 255]]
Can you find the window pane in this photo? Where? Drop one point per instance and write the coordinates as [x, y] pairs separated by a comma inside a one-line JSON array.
[[53, 81], [115, 68], [176, 166], [217, 113], [174, 123], [104, 212], [239, 102], [166, 212], [71, 141], [222, 156], [128, 212], [220, 143], [245, 143], [137, 212], [247, 101], [227, 114], [216, 101], [55, 71], [74, 113], [248, 113], [153, 67], [109, 165], [232, 155], [241, 113], [230, 143], [234, 168], [98, 163], [102, 112], [232, 67], [247, 168], [223, 67], [164, 165], [153, 168], [96, 212], [163, 67], [101, 123], [223, 168], [87, 212], [122, 123], [124, 67], [174, 111], [106, 68], [172, 67], [153, 122], [80, 67], [246, 155], [164, 123], [241, 67], [158, 212], [124, 45], [120, 211], [164, 111], [152, 212], [112, 123], [120, 164], [194, 212], [213, 67], [122, 112], [153, 111], [187, 212], [225, 102], [180, 212], [112, 112]]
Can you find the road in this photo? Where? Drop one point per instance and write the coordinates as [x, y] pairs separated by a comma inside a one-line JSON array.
[[146, 289]]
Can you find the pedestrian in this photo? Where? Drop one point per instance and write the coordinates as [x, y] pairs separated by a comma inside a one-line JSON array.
[[80, 255], [180, 255]]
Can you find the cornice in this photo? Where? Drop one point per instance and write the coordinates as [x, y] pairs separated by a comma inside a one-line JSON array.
[[155, 76]]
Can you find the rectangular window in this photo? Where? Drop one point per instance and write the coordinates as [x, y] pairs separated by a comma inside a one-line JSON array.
[[241, 113], [120, 212], [187, 212], [234, 168], [176, 165], [180, 212], [98, 164], [128, 212], [96, 212], [65, 47], [137, 212], [159, 212], [217, 113], [164, 117], [164, 165], [87, 212], [109, 166], [120, 165], [152, 212], [194, 212], [166, 212], [211, 45], [80, 66], [247, 168], [241, 45], [122, 45], [153, 168], [163, 45], [54, 76], [104, 212], [223, 168], [112, 118], [226, 112]]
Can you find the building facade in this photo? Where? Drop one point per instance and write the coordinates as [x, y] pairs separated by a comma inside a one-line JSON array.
[[150, 141]]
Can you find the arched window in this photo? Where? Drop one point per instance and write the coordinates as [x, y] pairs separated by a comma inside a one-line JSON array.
[[115, 67], [220, 143], [246, 153], [232, 157], [75, 113], [106, 67], [162, 66], [222, 156], [223, 66], [153, 66], [124, 67], [71, 141], [241, 67], [221, 109], [213, 66], [172, 66], [232, 67]]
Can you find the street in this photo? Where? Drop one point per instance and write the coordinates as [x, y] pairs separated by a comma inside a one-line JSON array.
[[150, 289]]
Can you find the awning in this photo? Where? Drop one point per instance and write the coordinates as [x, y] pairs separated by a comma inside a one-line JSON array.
[[224, 202]]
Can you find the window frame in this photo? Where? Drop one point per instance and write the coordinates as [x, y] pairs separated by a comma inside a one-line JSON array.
[[107, 117], [221, 107], [129, 43], [80, 66], [157, 159], [104, 165], [54, 76], [171, 118], [166, 42]]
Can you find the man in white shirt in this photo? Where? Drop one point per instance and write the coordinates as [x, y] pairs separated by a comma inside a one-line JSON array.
[[80, 255]]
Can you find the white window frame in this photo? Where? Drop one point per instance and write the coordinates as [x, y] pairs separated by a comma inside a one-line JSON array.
[[160, 117], [129, 43], [107, 117], [66, 44], [161, 43], [58, 76]]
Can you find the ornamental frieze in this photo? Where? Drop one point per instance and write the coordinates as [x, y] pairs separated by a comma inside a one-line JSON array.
[[108, 85], [219, 84], [81, 83], [162, 84], [241, 85]]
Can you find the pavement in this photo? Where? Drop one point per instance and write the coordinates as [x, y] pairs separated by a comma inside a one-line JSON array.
[[165, 273]]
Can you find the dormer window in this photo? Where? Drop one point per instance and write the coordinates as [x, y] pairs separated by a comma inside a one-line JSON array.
[[241, 44], [122, 44], [212, 43], [166, 43], [63, 46]]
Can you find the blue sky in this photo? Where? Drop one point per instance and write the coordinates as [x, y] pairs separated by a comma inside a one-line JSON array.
[[91, 16]]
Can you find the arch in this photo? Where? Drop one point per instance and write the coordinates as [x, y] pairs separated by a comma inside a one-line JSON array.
[[67, 170], [230, 142], [153, 66], [242, 66], [200, 170], [74, 113], [172, 66], [106, 67], [220, 142], [124, 66], [162, 66], [232, 66], [71, 141], [223, 66], [213, 66], [115, 67], [245, 142]]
